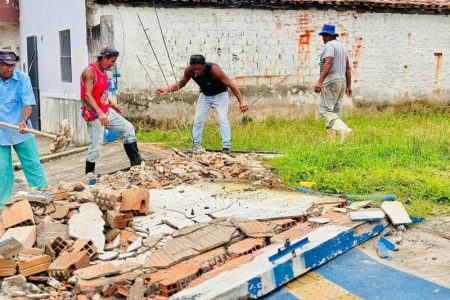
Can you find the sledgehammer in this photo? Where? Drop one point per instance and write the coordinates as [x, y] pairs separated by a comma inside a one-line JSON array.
[[59, 141]]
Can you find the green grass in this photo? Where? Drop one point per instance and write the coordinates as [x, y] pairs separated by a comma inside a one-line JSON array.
[[402, 150]]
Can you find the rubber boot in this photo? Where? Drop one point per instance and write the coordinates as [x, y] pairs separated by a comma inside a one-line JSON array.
[[132, 151], [342, 128], [90, 167]]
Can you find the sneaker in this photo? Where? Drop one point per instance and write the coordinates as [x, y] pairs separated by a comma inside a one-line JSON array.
[[226, 151], [198, 150]]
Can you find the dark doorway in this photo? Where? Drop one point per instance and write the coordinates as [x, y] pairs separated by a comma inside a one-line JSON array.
[[33, 73]]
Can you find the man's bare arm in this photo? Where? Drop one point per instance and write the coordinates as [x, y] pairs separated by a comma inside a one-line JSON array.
[[179, 85], [217, 72], [88, 78]]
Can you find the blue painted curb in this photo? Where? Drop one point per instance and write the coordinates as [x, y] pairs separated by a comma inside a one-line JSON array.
[[365, 277]]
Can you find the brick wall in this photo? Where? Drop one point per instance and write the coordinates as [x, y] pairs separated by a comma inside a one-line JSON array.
[[394, 56]]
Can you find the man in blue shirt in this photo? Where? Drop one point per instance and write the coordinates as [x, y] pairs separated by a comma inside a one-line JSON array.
[[16, 101]]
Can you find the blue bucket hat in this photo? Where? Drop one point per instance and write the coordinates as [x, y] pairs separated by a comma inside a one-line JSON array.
[[328, 29]]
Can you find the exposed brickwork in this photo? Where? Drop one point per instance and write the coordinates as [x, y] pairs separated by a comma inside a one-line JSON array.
[[245, 247]]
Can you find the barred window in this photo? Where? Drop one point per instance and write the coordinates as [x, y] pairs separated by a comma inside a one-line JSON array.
[[65, 56]]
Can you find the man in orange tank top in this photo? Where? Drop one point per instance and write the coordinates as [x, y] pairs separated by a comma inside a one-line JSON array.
[[100, 112]]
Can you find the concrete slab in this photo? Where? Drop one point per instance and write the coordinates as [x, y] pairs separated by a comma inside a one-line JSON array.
[[367, 215], [396, 212], [88, 224], [184, 204]]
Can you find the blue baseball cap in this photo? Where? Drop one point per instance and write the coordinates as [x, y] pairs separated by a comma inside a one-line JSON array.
[[328, 29]]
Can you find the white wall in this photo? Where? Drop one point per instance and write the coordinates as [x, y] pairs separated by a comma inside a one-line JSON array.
[[45, 18], [9, 37], [393, 55]]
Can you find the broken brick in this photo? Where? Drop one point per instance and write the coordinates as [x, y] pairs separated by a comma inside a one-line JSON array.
[[118, 220], [18, 213], [108, 290], [58, 195], [245, 247], [122, 291], [111, 234], [34, 265], [282, 225], [255, 229], [59, 245], [136, 201], [8, 267], [86, 245], [210, 259], [107, 198], [67, 263]]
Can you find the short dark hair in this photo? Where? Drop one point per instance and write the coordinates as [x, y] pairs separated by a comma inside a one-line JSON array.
[[197, 59]]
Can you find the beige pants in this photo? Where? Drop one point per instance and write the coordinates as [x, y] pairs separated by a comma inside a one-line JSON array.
[[331, 101]]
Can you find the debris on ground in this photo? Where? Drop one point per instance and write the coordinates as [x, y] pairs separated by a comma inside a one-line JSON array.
[[89, 240]]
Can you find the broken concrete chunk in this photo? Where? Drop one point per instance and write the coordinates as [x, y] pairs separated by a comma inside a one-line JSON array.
[[14, 283], [47, 232], [319, 220], [26, 235], [152, 240], [88, 224], [359, 204], [396, 212], [135, 245], [367, 215], [10, 247], [53, 282], [110, 255]]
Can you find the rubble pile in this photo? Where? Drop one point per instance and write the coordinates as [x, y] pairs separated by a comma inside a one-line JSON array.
[[101, 240], [54, 247], [188, 169]]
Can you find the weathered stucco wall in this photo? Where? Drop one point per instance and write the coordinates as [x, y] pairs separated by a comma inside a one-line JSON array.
[[58, 100], [394, 56]]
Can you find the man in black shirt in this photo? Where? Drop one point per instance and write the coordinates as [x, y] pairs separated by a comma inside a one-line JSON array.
[[213, 83]]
